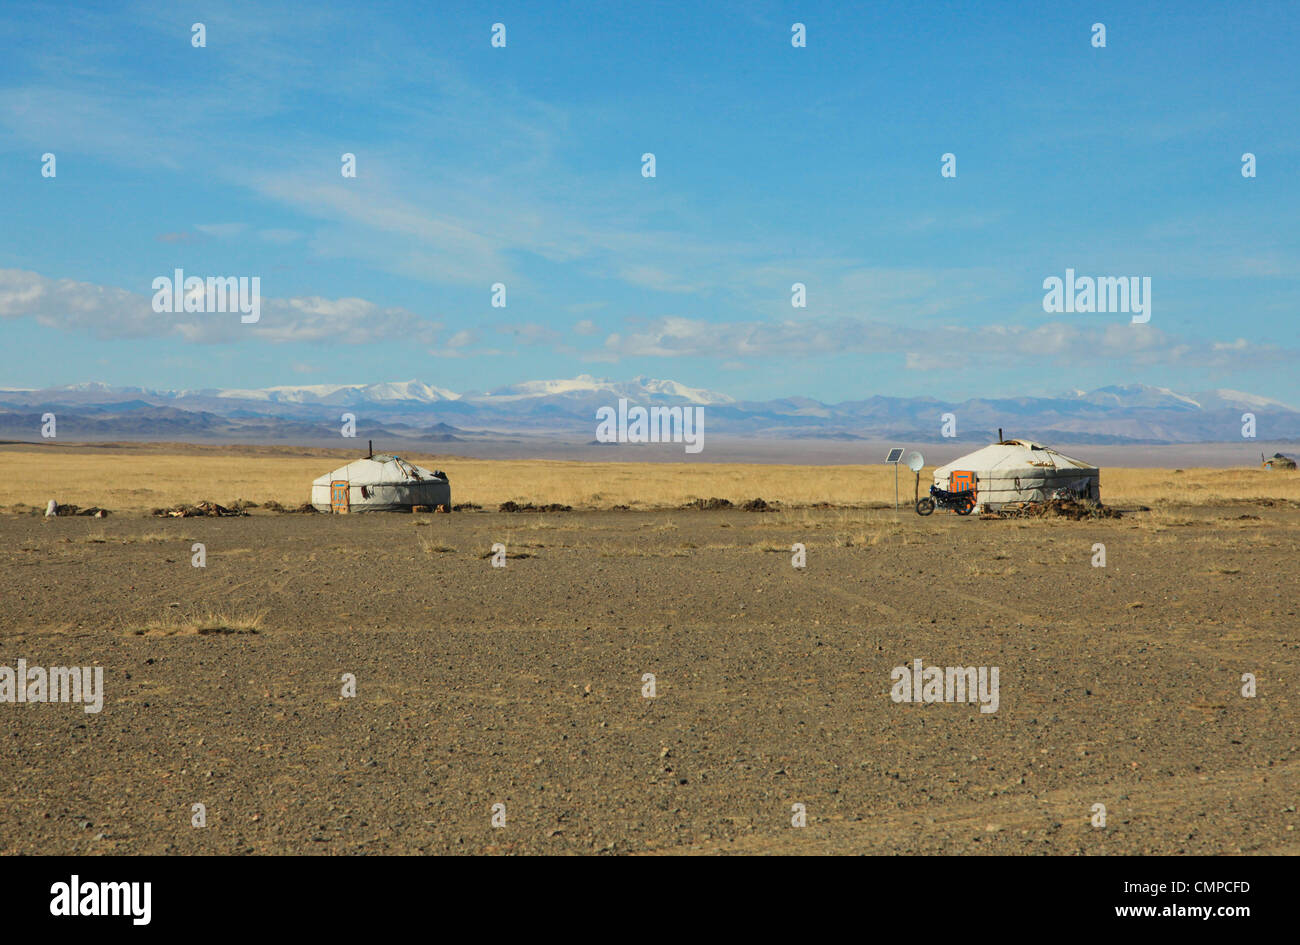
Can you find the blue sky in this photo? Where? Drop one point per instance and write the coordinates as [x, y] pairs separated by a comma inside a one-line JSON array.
[[775, 165]]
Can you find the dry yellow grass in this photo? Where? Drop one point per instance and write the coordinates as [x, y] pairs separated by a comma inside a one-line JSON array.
[[200, 624], [134, 479], [430, 547]]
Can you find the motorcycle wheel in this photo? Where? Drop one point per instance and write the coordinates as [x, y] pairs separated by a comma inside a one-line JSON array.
[[924, 506], [967, 508]]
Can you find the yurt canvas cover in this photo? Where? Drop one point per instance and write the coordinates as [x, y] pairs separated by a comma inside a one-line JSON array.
[[1020, 471], [380, 484]]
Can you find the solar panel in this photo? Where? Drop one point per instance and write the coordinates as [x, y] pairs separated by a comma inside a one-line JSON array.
[[895, 454]]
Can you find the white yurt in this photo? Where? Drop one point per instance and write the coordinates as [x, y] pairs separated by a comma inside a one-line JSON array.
[[381, 483], [1019, 471]]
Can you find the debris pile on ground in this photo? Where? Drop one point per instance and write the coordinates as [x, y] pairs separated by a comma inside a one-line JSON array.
[[758, 505], [509, 506], [61, 510], [240, 505], [708, 505], [1075, 510], [1072, 509], [274, 506], [203, 509], [466, 507], [1278, 461]]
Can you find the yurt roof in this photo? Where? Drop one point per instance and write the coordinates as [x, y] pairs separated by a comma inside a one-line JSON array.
[[1014, 454], [378, 470]]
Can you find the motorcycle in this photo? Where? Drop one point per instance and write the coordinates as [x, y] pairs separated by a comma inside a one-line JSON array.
[[963, 503]]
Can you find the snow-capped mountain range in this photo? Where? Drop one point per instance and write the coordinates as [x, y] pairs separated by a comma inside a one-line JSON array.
[[641, 388], [1139, 395], [566, 407], [334, 393]]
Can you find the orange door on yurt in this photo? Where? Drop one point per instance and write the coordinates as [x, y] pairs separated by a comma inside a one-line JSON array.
[[339, 496]]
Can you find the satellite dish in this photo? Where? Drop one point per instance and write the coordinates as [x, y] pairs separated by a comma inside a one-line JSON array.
[[915, 461]]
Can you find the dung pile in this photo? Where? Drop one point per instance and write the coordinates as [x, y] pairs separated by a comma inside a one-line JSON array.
[[1072, 509], [274, 506], [94, 511], [708, 505], [714, 504], [202, 510], [1075, 510], [509, 506]]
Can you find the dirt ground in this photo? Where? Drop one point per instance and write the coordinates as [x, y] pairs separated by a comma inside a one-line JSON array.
[[523, 685]]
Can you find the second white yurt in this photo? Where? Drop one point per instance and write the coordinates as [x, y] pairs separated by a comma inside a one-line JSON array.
[[381, 483], [1019, 471]]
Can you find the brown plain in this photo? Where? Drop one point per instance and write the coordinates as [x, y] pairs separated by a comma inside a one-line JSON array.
[[522, 685], [137, 478]]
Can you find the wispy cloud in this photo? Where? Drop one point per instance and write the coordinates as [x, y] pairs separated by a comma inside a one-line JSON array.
[[107, 312], [942, 348], [221, 230]]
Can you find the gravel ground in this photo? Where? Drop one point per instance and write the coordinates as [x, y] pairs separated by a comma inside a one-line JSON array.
[[522, 685]]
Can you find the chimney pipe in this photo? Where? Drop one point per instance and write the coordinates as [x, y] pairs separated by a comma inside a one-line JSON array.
[[370, 444], [999, 434]]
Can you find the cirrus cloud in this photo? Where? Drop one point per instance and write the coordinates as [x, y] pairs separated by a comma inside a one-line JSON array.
[[108, 312]]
